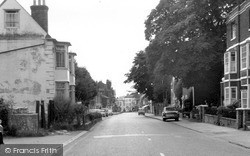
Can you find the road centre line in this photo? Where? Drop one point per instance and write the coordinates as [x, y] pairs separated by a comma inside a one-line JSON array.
[[162, 154], [129, 135]]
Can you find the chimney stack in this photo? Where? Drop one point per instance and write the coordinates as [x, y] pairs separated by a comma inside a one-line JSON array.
[[40, 13]]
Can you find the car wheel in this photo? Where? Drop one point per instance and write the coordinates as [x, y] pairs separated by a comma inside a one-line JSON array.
[[163, 119], [177, 119]]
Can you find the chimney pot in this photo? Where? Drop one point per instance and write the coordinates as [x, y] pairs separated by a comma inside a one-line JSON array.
[[39, 2], [34, 2], [44, 2]]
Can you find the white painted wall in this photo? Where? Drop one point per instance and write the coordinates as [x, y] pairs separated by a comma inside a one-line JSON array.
[[24, 76]]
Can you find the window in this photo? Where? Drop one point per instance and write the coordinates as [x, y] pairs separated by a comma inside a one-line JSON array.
[[233, 62], [11, 18], [226, 63], [244, 98], [233, 30], [233, 94], [60, 88], [230, 95], [243, 57], [60, 56], [230, 62], [226, 96], [70, 67]]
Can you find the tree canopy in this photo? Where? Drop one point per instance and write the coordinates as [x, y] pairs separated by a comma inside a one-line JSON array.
[[86, 87], [190, 37], [187, 39]]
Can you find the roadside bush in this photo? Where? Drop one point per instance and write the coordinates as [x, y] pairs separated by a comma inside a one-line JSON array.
[[211, 110], [226, 112], [40, 133], [64, 112], [4, 112], [63, 126], [93, 115], [12, 131], [234, 105]]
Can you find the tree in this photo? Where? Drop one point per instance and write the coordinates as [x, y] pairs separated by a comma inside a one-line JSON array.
[[140, 75], [107, 93], [190, 41], [86, 87]]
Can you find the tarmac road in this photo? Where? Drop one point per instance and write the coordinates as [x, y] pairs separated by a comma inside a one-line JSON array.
[[128, 134]]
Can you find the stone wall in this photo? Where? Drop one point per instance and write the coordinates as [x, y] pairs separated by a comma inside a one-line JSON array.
[[24, 122], [221, 121]]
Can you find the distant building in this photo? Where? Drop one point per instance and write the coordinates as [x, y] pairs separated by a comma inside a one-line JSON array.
[[33, 66], [129, 102], [105, 97]]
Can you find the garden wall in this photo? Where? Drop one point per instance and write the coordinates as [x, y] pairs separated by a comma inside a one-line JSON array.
[[24, 122], [221, 121]]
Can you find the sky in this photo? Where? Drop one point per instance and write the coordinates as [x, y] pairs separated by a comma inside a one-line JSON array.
[[105, 34]]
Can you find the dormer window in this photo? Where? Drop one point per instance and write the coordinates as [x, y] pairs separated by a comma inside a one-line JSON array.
[[12, 19]]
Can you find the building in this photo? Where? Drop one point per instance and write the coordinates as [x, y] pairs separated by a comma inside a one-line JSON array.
[[121, 103], [235, 84], [33, 65], [129, 102], [105, 97]]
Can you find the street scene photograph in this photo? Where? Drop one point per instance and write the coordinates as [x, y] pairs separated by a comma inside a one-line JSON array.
[[125, 78]]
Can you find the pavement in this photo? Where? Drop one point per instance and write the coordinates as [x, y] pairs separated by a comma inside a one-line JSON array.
[[233, 136], [59, 137]]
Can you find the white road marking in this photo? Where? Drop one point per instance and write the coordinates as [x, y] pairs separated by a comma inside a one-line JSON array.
[[149, 139], [129, 135], [162, 154]]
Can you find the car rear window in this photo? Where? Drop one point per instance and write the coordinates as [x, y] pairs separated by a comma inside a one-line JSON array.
[[170, 109]]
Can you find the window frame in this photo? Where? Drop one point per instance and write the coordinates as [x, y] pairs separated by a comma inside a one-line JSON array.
[[244, 99], [231, 94], [246, 57], [233, 30], [60, 89], [228, 95], [233, 62], [227, 98], [15, 22], [60, 56], [228, 63]]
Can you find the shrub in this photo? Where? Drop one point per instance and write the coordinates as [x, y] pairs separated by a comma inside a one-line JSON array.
[[4, 112], [40, 133], [211, 110], [234, 105], [63, 126], [64, 112], [226, 112], [12, 131], [93, 115]]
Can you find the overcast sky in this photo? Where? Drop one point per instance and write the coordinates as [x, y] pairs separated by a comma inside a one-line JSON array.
[[105, 34]]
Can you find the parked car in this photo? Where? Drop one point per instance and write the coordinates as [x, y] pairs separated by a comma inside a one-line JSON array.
[[110, 112], [104, 114], [141, 111], [170, 113]]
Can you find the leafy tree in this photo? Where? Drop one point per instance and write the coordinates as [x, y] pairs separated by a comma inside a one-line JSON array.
[[139, 74], [86, 87], [188, 42], [108, 91]]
